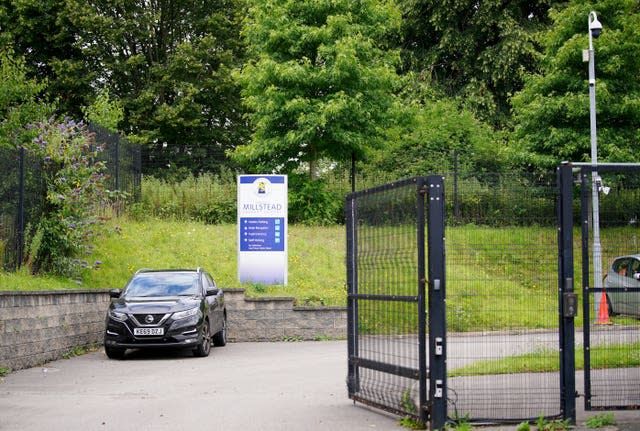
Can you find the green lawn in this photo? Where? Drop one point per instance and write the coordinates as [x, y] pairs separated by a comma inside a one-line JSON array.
[[316, 259], [610, 356], [497, 278]]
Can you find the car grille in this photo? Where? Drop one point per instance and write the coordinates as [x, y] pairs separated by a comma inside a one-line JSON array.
[[141, 319]]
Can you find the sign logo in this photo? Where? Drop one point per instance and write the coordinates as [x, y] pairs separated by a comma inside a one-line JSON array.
[[262, 187], [149, 318]]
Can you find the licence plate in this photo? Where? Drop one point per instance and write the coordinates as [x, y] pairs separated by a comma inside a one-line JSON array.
[[148, 331]]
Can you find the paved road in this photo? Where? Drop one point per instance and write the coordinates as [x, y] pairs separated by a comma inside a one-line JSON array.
[[243, 386]]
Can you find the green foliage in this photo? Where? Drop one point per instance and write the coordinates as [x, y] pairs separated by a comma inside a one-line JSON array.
[[601, 420], [75, 192], [75, 351], [437, 135], [552, 425], [104, 111], [460, 423], [320, 81], [411, 423], [168, 63], [207, 198], [42, 32], [20, 102], [407, 402], [552, 111], [312, 203], [476, 51], [4, 371], [524, 426]]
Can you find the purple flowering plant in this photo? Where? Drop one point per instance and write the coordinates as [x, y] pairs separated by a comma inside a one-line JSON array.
[[75, 194]]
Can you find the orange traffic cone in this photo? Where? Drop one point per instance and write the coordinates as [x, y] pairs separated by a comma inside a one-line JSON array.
[[603, 311]]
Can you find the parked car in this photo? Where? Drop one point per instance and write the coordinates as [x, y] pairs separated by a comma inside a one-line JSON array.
[[166, 308], [624, 274]]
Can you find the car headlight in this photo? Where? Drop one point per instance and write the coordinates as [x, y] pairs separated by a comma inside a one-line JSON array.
[[116, 315], [186, 313]]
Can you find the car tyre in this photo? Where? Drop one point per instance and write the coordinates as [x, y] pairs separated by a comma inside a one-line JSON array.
[[220, 338], [609, 307], [114, 352], [204, 347]]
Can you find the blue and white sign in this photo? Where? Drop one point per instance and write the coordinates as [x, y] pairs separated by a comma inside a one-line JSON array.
[[262, 229]]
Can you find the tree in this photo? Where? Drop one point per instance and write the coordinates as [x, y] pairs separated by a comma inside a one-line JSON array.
[[552, 111], [320, 81], [437, 136], [20, 101], [473, 50], [104, 111], [169, 63], [41, 32]]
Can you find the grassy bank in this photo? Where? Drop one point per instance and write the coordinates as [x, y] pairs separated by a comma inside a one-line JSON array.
[[497, 278], [316, 259]]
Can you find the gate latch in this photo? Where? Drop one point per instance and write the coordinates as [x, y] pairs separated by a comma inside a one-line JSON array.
[[438, 391], [570, 304], [439, 347]]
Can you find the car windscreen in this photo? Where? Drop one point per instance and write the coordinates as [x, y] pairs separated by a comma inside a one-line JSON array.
[[162, 284]]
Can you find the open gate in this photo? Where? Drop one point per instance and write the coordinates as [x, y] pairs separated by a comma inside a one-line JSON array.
[[503, 347], [388, 317], [610, 284]]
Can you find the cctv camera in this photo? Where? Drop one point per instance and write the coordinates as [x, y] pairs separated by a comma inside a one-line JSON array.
[[595, 27]]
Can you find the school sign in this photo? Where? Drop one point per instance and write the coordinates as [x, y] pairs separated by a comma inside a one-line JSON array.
[[262, 229]]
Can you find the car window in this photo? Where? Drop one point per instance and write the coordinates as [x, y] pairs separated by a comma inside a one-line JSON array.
[[621, 267], [210, 280], [634, 269], [162, 284]]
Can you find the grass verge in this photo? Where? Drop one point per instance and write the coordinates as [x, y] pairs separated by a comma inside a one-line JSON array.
[[610, 356]]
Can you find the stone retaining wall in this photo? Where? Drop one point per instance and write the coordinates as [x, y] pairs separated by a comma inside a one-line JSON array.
[[37, 327]]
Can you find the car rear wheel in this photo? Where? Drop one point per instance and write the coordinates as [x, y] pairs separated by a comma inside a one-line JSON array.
[[220, 338], [114, 352], [204, 347], [609, 307]]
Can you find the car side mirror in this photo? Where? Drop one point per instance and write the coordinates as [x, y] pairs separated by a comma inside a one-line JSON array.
[[212, 291], [114, 293]]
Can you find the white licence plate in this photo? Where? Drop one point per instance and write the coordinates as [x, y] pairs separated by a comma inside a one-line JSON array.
[[148, 331]]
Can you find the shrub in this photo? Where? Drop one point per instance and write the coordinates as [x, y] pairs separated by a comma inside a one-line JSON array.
[[75, 193], [312, 203]]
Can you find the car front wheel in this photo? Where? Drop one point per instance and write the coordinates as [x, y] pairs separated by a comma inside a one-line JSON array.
[[204, 347], [220, 338], [114, 352]]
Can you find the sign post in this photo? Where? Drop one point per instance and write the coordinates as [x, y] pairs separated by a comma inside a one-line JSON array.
[[262, 229]]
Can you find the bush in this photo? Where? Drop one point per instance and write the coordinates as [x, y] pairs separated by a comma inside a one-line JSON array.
[[75, 193], [207, 198], [312, 203]]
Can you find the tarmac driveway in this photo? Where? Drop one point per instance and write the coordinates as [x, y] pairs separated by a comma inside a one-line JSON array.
[[243, 386]]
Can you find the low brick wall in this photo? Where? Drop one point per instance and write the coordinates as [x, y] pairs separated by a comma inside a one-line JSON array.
[[37, 327], [272, 319]]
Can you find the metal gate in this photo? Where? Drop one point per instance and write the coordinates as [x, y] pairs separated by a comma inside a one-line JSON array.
[[388, 316], [609, 209], [504, 345]]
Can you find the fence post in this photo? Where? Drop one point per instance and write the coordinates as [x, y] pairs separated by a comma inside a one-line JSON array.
[[117, 162], [437, 312], [353, 378], [20, 215], [568, 303]]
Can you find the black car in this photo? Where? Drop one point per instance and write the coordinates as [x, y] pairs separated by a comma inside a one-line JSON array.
[[174, 308]]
